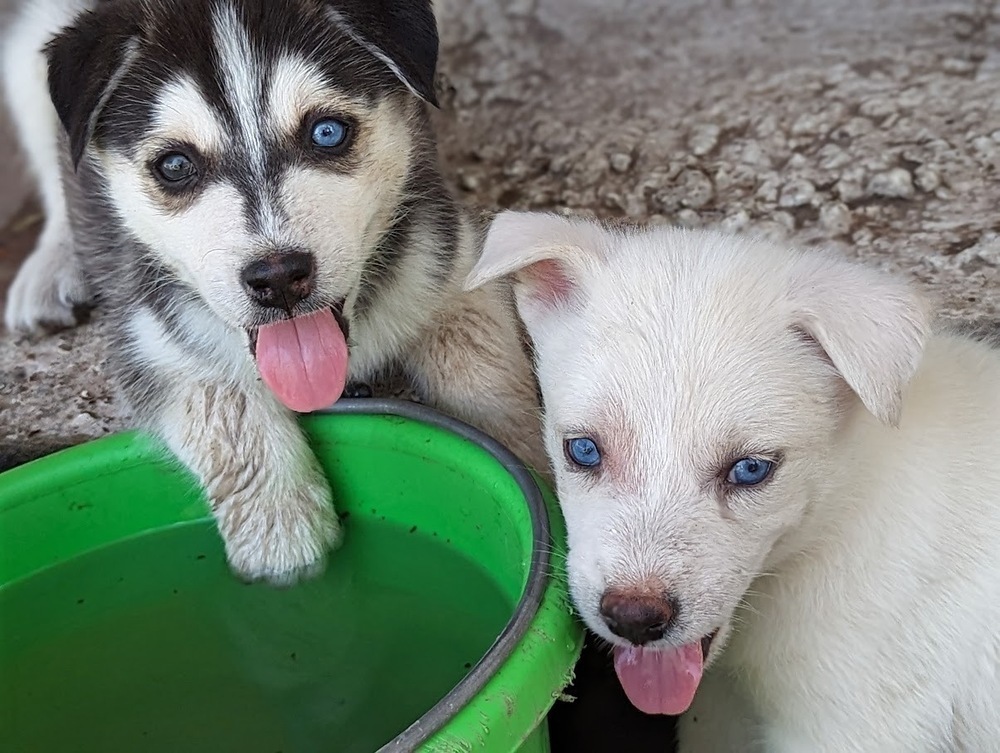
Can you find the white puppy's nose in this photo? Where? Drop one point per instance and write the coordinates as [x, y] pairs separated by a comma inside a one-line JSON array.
[[639, 615]]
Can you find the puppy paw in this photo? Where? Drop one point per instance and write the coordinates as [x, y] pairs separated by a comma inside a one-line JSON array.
[[47, 291], [284, 542]]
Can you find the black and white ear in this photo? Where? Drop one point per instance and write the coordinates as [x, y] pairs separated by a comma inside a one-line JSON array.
[[86, 62], [401, 33], [872, 326], [544, 255]]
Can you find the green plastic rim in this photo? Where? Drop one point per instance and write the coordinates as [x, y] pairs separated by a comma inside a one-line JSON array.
[[528, 608], [500, 704]]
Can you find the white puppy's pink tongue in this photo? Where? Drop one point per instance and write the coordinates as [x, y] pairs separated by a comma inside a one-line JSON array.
[[660, 682], [304, 360]]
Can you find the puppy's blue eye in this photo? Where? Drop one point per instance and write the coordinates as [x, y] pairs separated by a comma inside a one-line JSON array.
[[582, 451], [329, 133], [749, 471], [175, 167]]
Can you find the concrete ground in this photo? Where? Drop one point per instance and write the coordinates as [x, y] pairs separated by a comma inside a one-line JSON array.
[[869, 125]]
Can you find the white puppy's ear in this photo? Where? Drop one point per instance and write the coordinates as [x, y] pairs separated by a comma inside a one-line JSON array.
[[872, 326], [544, 254]]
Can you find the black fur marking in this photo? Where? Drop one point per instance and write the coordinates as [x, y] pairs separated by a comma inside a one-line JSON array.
[[426, 204], [79, 92], [260, 192], [161, 291], [405, 32], [173, 36], [382, 266]]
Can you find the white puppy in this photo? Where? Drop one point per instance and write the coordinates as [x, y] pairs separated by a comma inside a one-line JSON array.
[[770, 468]]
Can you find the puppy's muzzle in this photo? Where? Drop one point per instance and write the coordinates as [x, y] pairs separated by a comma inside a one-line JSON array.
[[280, 280], [638, 616]]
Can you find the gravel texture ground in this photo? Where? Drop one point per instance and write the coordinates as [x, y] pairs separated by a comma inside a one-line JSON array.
[[869, 125]]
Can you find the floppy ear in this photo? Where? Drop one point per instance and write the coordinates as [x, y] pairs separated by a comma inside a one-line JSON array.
[[544, 255], [872, 327], [85, 64], [401, 33]]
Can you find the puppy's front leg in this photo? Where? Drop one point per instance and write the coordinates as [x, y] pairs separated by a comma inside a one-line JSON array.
[[50, 285], [269, 498], [472, 365]]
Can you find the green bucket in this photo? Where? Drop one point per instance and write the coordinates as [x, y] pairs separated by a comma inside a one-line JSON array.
[[438, 625]]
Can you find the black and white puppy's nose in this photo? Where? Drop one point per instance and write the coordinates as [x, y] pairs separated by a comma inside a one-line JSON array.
[[640, 616], [280, 280]]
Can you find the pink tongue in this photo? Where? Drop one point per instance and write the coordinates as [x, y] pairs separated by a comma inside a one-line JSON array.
[[304, 360], [660, 682]]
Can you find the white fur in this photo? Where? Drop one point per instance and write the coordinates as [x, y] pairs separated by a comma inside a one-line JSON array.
[[209, 261], [242, 84], [269, 497], [50, 283], [183, 115], [297, 88], [857, 591], [272, 505]]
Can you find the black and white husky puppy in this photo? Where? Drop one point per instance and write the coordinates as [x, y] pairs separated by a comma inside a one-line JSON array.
[[251, 190]]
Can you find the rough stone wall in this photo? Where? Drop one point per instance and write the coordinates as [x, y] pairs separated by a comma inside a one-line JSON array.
[[872, 126]]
